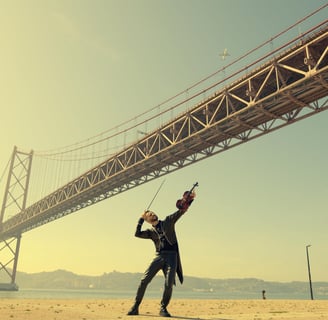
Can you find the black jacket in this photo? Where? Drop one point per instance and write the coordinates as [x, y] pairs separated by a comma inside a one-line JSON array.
[[169, 232]]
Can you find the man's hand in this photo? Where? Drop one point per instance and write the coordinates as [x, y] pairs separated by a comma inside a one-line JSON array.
[[187, 196], [143, 215]]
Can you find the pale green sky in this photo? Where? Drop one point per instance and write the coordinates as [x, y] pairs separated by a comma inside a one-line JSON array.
[[72, 69]]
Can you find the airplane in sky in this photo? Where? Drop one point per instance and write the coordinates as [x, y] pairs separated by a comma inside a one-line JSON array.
[[224, 54]]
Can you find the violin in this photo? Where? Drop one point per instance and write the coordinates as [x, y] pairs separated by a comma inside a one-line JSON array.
[[187, 198]]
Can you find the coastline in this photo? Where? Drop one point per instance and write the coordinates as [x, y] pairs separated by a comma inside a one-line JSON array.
[[193, 309]]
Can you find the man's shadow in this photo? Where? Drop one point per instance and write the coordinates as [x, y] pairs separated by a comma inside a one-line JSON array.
[[184, 318]]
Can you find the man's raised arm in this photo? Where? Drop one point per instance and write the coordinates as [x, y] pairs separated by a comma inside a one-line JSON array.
[[139, 233]]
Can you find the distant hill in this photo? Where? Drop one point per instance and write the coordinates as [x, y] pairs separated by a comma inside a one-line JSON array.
[[118, 281]]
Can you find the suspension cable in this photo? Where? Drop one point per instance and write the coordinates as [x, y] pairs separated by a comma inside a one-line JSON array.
[[4, 171], [89, 142]]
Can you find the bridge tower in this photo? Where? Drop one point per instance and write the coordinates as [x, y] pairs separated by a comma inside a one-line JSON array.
[[15, 197]]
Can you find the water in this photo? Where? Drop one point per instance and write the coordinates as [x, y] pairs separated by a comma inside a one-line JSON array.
[[64, 294], [107, 294]]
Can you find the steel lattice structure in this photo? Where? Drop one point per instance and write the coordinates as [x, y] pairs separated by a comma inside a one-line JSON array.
[[15, 195], [287, 88]]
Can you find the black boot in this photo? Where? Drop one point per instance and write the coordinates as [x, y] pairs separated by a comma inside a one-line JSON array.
[[134, 311], [164, 313]]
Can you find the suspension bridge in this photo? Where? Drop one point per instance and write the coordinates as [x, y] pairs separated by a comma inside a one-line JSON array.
[[279, 88]]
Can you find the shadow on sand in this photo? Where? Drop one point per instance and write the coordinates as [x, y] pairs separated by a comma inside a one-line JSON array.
[[183, 318]]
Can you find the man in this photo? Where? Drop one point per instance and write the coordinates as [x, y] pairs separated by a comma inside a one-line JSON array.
[[167, 257]]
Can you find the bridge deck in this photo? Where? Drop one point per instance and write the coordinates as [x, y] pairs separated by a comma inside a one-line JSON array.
[[285, 89]]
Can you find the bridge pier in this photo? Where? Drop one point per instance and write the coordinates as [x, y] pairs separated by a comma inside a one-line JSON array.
[[9, 253], [15, 195]]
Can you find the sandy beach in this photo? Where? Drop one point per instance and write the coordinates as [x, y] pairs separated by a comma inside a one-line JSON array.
[[88, 309]]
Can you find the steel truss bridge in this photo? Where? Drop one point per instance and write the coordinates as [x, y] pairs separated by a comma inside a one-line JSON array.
[[289, 86]]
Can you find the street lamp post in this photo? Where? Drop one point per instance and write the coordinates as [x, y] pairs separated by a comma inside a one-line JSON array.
[[309, 269]]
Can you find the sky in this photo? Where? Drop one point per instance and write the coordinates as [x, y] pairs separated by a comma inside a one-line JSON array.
[[71, 69]]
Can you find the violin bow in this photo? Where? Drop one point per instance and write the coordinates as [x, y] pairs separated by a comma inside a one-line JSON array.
[[151, 202]]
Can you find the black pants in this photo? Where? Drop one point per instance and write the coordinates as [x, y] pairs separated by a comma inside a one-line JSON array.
[[166, 261]]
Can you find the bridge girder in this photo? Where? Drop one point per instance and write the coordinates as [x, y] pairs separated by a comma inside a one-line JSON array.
[[290, 87]]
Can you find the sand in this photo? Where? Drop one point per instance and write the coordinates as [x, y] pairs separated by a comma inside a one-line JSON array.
[[88, 309]]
